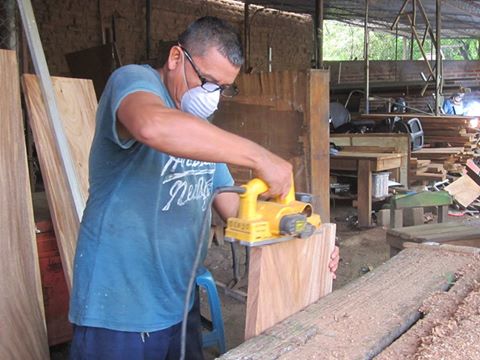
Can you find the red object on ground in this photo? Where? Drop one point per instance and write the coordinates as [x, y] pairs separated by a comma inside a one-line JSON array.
[[54, 286]]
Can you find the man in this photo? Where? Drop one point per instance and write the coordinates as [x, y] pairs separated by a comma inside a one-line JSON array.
[[454, 105], [148, 200]]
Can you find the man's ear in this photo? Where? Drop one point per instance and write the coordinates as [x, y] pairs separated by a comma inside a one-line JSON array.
[[174, 58]]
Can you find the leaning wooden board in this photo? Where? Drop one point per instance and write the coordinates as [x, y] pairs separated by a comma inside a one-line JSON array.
[[77, 105], [23, 334], [361, 319], [286, 277]]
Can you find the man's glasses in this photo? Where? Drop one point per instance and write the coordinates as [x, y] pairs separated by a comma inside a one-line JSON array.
[[208, 86]]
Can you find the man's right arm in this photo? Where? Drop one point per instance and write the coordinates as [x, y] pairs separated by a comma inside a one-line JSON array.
[[144, 117]]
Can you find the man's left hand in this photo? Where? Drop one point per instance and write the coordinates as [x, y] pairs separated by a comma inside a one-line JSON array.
[[334, 259]]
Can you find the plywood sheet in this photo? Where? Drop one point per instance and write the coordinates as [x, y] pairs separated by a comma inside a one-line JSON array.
[[77, 105], [359, 320], [22, 321], [464, 190], [286, 277]]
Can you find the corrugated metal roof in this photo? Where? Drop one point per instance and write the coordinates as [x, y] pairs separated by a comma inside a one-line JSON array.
[[460, 18]]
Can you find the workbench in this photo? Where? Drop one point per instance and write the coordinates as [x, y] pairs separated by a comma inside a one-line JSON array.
[[365, 164]]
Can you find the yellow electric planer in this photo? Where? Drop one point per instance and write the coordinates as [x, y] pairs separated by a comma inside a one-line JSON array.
[[267, 222]]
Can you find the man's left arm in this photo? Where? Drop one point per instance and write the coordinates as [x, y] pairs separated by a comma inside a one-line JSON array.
[[226, 205]]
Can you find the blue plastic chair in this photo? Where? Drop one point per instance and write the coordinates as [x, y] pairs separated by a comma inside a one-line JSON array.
[[216, 337]]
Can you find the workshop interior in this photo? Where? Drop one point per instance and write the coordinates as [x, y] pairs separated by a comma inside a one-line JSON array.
[[374, 103]]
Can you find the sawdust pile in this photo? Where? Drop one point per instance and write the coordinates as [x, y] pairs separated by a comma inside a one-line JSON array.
[[450, 327], [457, 337]]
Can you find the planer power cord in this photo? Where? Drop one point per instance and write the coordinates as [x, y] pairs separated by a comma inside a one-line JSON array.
[[196, 263]]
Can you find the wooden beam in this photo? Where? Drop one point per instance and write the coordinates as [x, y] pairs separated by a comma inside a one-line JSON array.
[[359, 320], [364, 193], [77, 104], [51, 111], [22, 318], [286, 277], [316, 118]]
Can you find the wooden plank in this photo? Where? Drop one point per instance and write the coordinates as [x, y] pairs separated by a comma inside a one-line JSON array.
[[286, 112], [472, 240], [364, 192], [316, 116], [374, 149], [425, 228], [286, 277], [387, 164], [22, 318], [37, 56], [359, 320], [343, 164], [77, 106], [464, 190], [441, 237]]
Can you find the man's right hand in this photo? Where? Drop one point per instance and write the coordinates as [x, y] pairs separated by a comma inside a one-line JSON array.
[[276, 172]]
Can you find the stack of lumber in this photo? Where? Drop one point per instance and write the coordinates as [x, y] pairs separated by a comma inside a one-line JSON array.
[[452, 130], [424, 169], [452, 159]]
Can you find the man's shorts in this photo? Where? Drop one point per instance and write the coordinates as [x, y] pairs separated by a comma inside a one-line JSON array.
[[90, 343]]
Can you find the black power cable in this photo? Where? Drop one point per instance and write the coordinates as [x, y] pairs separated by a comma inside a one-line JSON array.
[[196, 263]]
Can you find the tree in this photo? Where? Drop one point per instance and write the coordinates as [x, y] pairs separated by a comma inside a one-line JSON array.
[[344, 42]]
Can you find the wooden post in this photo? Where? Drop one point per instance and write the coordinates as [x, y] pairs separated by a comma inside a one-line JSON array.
[[364, 192], [366, 60], [438, 77], [316, 117]]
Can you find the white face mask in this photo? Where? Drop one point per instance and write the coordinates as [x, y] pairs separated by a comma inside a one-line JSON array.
[[199, 102]]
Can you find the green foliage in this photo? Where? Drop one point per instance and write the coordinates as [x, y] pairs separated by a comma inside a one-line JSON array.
[[345, 42]]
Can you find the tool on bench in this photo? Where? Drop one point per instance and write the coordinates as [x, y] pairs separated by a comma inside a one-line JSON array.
[[268, 222]]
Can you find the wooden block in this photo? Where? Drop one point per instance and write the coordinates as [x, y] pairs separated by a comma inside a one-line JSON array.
[[396, 218], [464, 190], [22, 319], [77, 105], [383, 217], [413, 216], [286, 277]]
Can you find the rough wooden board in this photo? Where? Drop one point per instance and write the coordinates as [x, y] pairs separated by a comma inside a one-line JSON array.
[[464, 190], [362, 318], [286, 277], [410, 232], [77, 106], [286, 112], [22, 320]]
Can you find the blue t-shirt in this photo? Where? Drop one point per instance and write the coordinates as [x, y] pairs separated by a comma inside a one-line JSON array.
[[142, 221]]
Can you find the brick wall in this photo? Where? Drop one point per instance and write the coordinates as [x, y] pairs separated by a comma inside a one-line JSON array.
[[69, 25]]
